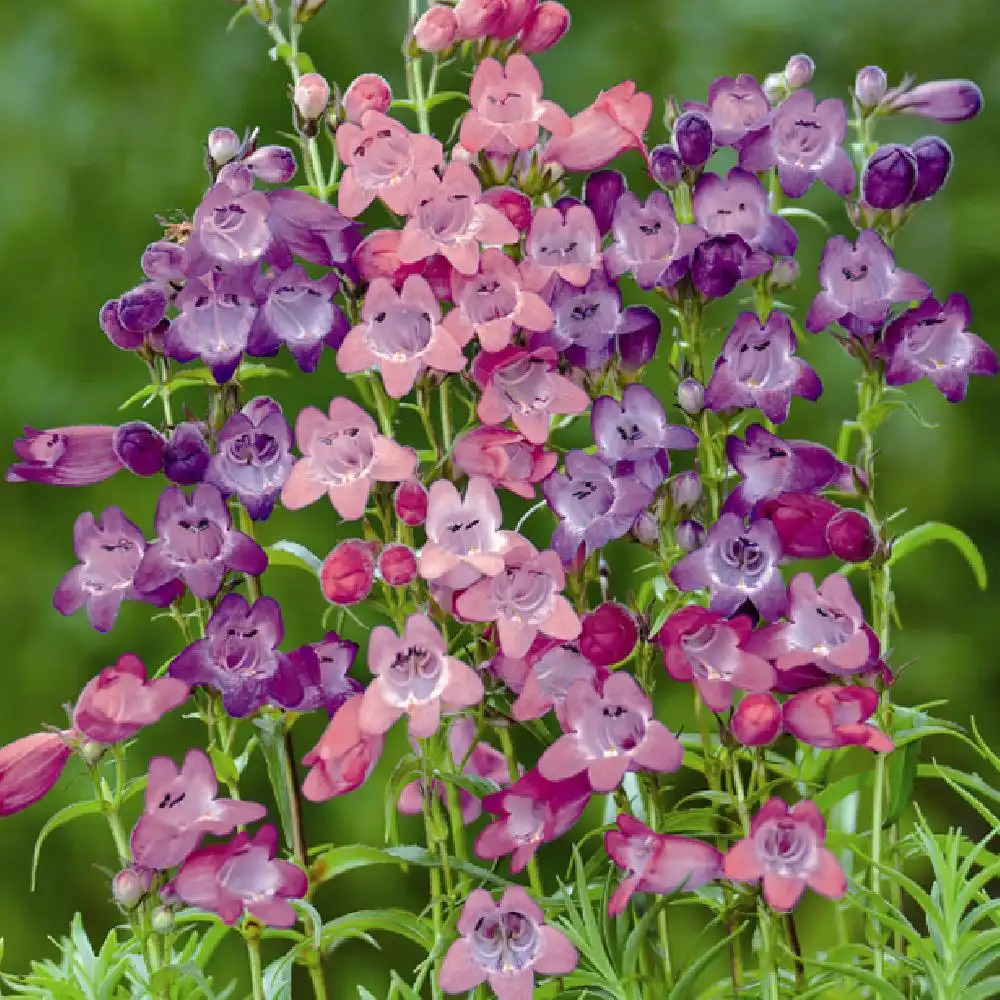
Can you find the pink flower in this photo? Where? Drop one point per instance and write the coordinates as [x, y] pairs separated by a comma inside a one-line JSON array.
[[657, 862], [614, 123], [449, 217], [65, 456], [785, 848], [348, 572], [503, 457], [29, 767], [834, 716], [526, 387], [344, 757], [507, 108], [436, 29], [383, 159], [377, 256], [342, 455], [567, 245], [397, 565], [608, 734], [757, 720], [524, 600], [609, 634], [491, 303], [504, 944], [242, 876], [368, 92], [400, 334], [414, 676], [120, 701]]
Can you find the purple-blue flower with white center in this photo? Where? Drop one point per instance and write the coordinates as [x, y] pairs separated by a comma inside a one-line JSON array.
[[186, 455], [720, 263], [196, 543], [770, 465], [297, 311], [110, 548], [252, 458], [636, 431], [803, 139], [934, 342], [239, 656], [65, 456], [758, 367], [860, 283], [735, 107], [738, 204], [321, 673], [593, 503], [737, 564]]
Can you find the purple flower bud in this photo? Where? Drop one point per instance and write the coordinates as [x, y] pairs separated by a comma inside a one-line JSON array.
[[799, 70], [691, 396], [941, 100], [125, 340], [665, 166], [410, 502], [934, 159], [311, 96], [870, 86], [272, 164], [139, 447], [785, 272], [223, 145], [889, 177], [142, 308], [548, 22], [720, 263], [690, 535], [601, 191], [685, 490], [638, 337], [851, 536], [130, 885], [163, 261], [646, 529], [186, 456], [757, 720], [693, 138]]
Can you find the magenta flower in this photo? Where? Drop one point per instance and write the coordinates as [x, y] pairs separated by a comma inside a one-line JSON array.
[[242, 876], [321, 671], [377, 256], [756, 720], [851, 536], [120, 701], [414, 676], [608, 634], [383, 159], [504, 944], [657, 862], [785, 849], [507, 109], [65, 456], [526, 387], [503, 457], [758, 367], [532, 812], [343, 455], [181, 808], [735, 107], [186, 455], [409, 502], [344, 757], [30, 766], [524, 600], [608, 734], [703, 646], [397, 565], [801, 520], [567, 245], [835, 716], [401, 335]]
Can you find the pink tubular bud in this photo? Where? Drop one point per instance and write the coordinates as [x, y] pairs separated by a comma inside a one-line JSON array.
[[311, 96], [348, 572], [436, 30], [757, 720], [515, 205], [397, 565], [368, 92], [410, 503], [223, 145], [609, 634], [478, 18], [851, 536], [516, 14], [29, 767], [130, 885], [548, 22]]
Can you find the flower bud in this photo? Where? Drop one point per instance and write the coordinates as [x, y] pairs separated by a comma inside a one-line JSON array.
[[90, 751], [941, 100], [851, 536], [477, 18], [162, 920], [515, 205], [397, 565], [870, 86], [601, 191], [691, 397], [262, 10], [163, 261], [272, 164], [410, 502], [516, 14], [934, 158], [125, 340], [690, 535], [348, 572], [637, 345], [29, 767], [799, 70], [311, 96], [665, 166], [223, 145], [685, 490], [775, 88], [368, 92], [609, 634], [646, 529], [800, 520], [436, 30], [306, 9], [757, 720], [785, 272], [142, 308], [186, 456], [693, 138], [548, 22], [889, 177], [139, 447], [130, 885]]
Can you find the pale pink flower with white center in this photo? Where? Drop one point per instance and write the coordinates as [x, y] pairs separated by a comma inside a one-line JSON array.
[[834, 716], [414, 676], [383, 159], [565, 245], [491, 303], [507, 108], [523, 600], [400, 334], [609, 733], [526, 387], [448, 216], [505, 457], [344, 757], [342, 455]]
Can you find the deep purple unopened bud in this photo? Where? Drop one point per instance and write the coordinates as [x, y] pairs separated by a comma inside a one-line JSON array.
[[685, 490], [934, 158], [223, 145], [311, 96], [186, 456], [410, 502], [397, 565], [139, 448], [870, 86], [637, 344], [163, 261], [601, 191], [142, 308], [690, 535], [130, 885], [665, 166], [691, 396], [693, 138], [889, 177], [125, 340], [546, 24], [799, 70], [757, 720], [272, 164], [785, 272], [851, 536], [646, 529]]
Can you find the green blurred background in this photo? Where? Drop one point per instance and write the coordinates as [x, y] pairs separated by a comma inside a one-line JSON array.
[[105, 105]]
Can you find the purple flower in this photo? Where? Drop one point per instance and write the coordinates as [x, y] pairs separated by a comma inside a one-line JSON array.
[[601, 192], [252, 458], [889, 177], [139, 447], [941, 100], [803, 139], [735, 107], [565, 245], [197, 543], [934, 158], [736, 564], [110, 549], [181, 808], [739, 205], [321, 672], [186, 455], [609, 634], [65, 456], [933, 341], [720, 263], [860, 283], [239, 656], [758, 367], [835, 716], [693, 138], [311, 229], [242, 876], [637, 339], [801, 520], [870, 86], [163, 261], [229, 226]]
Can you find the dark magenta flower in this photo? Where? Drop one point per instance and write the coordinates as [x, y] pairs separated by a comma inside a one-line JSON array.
[[738, 204], [186, 455], [693, 138], [934, 158], [720, 263], [940, 100], [348, 572], [65, 456], [344, 757], [801, 520], [758, 367], [124, 340], [565, 245], [139, 447], [835, 716], [29, 767], [505, 458], [851, 536], [756, 720], [608, 634], [637, 339], [889, 177], [321, 676], [735, 107], [397, 565]]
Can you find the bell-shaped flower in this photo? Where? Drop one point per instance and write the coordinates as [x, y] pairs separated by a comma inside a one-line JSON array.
[[785, 850], [30, 766], [567, 245], [377, 256], [720, 263], [735, 107], [609, 633], [344, 757], [321, 671], [505, 458], [738, 204], [608, 733], [342, 456], [414, 676], [65, 456], [311, 229], [230, 226], [801, 520], [835, 716]]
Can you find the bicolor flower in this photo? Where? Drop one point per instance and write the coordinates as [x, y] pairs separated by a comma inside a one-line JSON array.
[[321, 672], [344, 757], [835, 716]]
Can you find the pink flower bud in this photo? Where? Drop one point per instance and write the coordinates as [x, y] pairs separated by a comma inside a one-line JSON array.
[[348, 572], [368, 92], [515, 205], [397, 565], [410, 503], [799, 70], [478, 18], [223, 145], [609, 634], [312, 95], [436, 30], [29, 767], [516, 14], [548, 22], [130, 885], [757, 720], [851, 536]]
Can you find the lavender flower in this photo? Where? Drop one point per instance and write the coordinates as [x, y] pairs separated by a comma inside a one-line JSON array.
[[229, 227], [311, 229], [735, 107], [835, 716], [568, 246], [65, 456]]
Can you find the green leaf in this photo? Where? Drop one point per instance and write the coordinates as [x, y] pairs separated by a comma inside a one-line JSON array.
[[793, 212], [224, 765], [65, 815], [338, 860], [937, 531], [272, 745], [305, 64], [401, 922], [881, 987], [902, 774], [396, 985], [684, 985], [278, 978], [288, 553]]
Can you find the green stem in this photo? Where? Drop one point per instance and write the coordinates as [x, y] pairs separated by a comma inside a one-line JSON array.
[[446, 432], [381, 405], [294, 801], [668, 965], [318, 980], [109, 809], [415, 78], [256, 972]]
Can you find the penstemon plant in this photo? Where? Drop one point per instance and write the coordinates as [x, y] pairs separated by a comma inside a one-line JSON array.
[[509, 436]]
